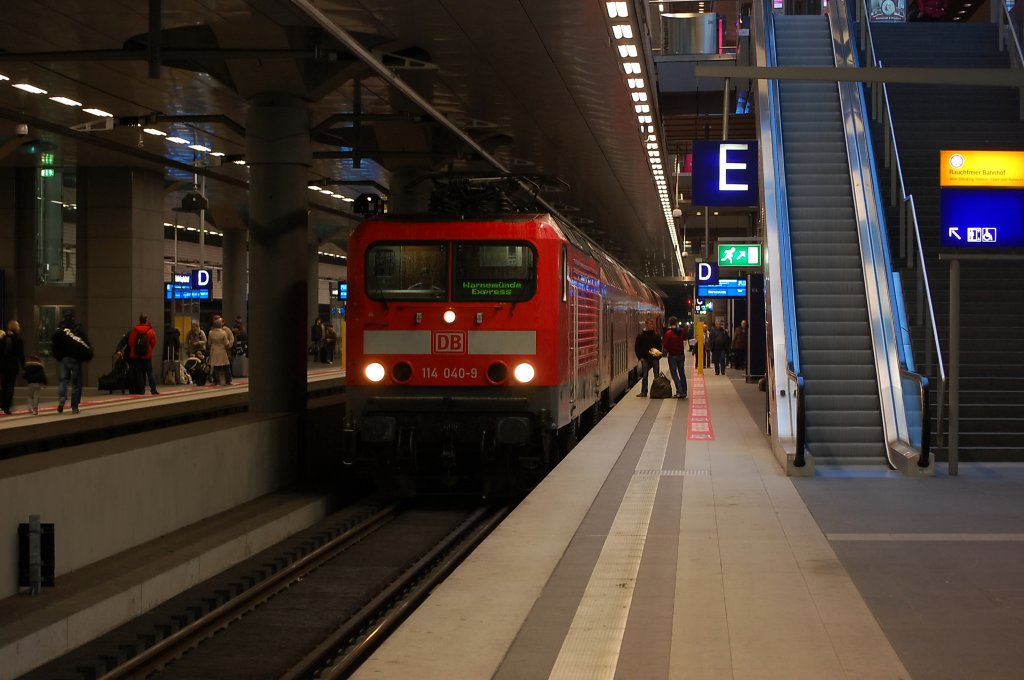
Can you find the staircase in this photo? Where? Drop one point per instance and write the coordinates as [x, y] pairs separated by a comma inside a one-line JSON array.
[[843, 413], [927, 119]]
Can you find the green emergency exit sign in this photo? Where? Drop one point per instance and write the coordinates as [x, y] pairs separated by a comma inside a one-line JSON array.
[[739, 255]]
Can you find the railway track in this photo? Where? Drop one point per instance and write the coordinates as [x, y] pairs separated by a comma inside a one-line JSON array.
[[301, 611]]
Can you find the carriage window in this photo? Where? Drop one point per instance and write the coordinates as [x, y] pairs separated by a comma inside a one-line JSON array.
[[407, 271], [494, 271]]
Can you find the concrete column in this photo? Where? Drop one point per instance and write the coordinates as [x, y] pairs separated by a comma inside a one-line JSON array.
[[121, 257], [236, 275], [279, 156], [410, 192]]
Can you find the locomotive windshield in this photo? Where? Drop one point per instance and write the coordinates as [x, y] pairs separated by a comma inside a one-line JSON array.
[[407, 271], [505, 272]]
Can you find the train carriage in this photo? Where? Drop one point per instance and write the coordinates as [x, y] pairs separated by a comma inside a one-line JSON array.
[[478, 348]]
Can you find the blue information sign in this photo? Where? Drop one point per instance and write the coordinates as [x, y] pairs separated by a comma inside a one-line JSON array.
[[982, 218], [725, 173], [724, 288], [707, 272], [195, 285]]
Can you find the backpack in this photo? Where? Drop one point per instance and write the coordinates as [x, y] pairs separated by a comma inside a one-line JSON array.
[[141, 344]]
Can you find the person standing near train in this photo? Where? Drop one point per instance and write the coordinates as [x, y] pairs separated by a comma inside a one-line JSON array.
[[674, 343], [647, 348]]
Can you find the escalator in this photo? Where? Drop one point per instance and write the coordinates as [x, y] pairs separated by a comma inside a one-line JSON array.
[[842, 408]]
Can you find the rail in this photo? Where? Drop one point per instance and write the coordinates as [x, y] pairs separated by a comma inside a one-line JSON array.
[[1009, 41], [785, 382], [911, 250]]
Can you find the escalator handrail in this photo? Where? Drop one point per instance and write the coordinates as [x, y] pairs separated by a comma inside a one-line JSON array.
[[911, 210], [785, 379]]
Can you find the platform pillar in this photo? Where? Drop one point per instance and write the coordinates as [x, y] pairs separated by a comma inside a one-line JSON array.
[[279, 157]]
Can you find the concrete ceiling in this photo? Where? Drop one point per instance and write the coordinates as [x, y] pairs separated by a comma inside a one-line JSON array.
[[535, 83]]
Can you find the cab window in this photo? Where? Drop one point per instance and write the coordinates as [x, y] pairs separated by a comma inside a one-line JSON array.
[[407, 271], [493, 271]]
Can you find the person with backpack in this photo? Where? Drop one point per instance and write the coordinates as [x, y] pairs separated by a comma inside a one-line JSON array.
[[71, 347], [674, 344], [141, 341]]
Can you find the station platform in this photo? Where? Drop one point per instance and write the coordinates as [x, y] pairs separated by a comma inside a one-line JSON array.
[[93, 397], [669, 544]]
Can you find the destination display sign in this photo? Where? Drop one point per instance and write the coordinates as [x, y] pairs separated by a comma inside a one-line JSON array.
[[195, 285], [981, 199], [724, 288]]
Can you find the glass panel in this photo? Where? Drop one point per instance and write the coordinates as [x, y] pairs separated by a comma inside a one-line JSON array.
[[407, 271], [494, 271], [56, 221]]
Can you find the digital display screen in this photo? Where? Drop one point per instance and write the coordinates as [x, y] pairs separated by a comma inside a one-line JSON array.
[[724, 288]]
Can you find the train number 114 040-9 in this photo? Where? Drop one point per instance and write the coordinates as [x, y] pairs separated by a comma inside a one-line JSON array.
[[449, 373]]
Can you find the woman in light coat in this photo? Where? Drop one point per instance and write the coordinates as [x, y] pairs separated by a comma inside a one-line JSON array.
[[220, 342]]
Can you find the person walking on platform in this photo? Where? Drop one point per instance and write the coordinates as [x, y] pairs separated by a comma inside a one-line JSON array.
[[71, 347], [195, 341], [720, 342], [674, 343], [330, 338], [219, 346], [12, 358], [647, 348], [141, 342], [316, 339], [739, 346], [35, 376]]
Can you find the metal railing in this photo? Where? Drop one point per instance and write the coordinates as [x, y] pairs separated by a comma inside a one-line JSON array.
[[1009, 41], [785, 383], [910, 246]]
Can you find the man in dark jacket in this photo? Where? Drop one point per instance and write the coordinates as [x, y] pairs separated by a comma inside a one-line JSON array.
[[141, 342], [647, 348], [71, 348], [674, 344], [720, 342]]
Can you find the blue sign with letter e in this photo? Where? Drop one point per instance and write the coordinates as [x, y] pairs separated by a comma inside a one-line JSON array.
[[725, 173]]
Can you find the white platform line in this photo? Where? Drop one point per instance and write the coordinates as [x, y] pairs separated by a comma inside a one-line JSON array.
[[591, 646], [924, 537]]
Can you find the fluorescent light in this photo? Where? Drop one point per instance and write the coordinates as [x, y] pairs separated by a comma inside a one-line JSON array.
[[99, 112], [617, 9], [154, 131], [635, 83], [177, 140], [632, 67], [627, 50], [642, 108], [29, 88], [622, 31], [216, 153], [347, 199], [65, 101], [199, 147], [313, 187], [240, 161], [3, 77]]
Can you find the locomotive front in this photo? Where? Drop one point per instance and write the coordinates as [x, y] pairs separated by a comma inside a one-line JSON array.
[[452, 369]]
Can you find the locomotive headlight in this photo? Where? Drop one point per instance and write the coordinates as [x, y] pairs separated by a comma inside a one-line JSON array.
[[524, 372], [449, 316], [374, 372]]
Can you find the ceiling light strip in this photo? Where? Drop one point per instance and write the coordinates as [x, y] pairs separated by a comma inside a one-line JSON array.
[[622, 27]]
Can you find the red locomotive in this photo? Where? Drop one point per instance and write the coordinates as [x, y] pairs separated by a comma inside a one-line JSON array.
[[477, 349]]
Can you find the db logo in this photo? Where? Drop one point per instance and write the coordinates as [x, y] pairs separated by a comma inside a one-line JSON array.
[[450, 342]]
